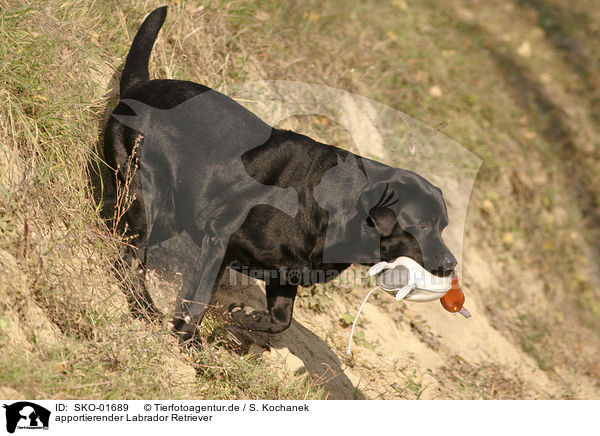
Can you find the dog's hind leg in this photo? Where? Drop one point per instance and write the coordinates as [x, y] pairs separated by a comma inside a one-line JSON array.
[[138, 297], [132, 270], [277, 317], [125, 214]]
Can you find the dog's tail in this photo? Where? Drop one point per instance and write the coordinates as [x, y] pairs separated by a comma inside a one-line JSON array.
[[136, 65]]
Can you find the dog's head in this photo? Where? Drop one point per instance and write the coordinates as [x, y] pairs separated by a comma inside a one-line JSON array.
[[410, 216], [377, 212]]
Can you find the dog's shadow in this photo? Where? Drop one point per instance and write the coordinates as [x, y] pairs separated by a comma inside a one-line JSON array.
[[317, 359], [168, 263]]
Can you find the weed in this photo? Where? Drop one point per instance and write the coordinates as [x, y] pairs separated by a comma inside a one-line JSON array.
[[315, 297]]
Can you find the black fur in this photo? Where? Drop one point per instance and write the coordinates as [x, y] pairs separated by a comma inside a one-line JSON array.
[[409, 213]]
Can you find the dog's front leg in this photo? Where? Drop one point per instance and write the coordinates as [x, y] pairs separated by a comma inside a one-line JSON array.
[[277, 317]]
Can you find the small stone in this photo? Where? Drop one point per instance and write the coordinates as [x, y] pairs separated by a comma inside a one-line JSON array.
[[508, 238], [524, 49], [435, 91], [487, 207], [400, 4]]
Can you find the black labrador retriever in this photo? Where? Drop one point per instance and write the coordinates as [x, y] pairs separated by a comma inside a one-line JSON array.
[[271, 203]]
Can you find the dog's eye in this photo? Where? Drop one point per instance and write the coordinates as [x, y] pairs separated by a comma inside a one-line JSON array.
[[423, 225]]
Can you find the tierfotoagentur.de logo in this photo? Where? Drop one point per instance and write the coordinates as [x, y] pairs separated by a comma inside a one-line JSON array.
[[25, 415]]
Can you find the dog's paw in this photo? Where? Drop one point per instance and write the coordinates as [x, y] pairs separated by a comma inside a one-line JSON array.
[[244, 316], [235, 307], [187, 333], [238, 313]]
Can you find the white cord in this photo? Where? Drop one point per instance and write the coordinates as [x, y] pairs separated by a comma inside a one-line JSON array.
[[349, 350]]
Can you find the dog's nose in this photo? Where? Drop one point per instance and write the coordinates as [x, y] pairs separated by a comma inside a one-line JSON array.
[[449, 263], [445, 266]]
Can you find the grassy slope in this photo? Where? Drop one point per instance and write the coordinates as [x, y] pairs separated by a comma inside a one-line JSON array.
[[517, 88]]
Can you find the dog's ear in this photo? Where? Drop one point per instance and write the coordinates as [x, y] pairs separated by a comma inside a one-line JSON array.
[[383, 219]]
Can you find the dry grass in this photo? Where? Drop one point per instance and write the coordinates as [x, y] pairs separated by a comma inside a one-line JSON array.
[[533, 117], [66, 327]]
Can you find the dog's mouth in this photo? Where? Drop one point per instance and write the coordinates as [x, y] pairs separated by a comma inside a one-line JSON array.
[[441, 265], [442, 272]]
